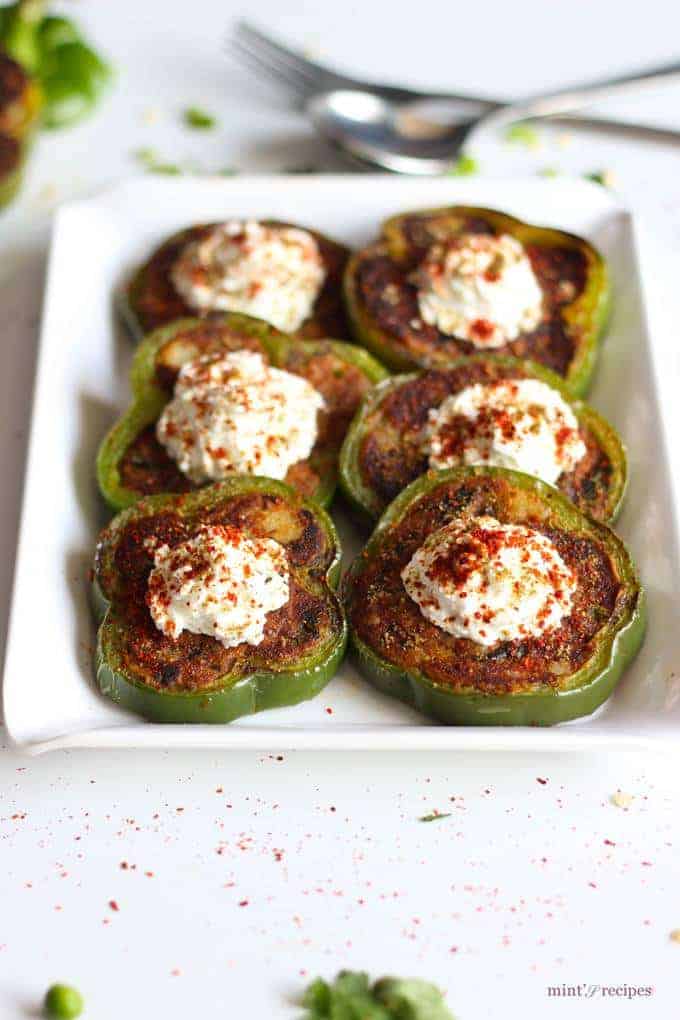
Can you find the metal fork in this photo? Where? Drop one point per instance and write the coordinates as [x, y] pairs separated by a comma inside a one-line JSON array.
[[304, 78]]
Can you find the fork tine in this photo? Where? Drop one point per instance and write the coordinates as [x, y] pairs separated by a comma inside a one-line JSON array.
[[293, 82], [318, 77]]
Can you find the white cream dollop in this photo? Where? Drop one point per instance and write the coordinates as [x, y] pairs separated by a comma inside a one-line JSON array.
[[273, 273], [235, 414], [480, 288], [219, 582], [490, 582], [522, 424]]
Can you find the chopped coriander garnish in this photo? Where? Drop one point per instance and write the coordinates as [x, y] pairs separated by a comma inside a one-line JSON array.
[[171, 169], [196, 118], [523, 133], [153, 164], [465, 166], [434, 817], [145, 156], [603, 177], [548, 171], [352, 997]]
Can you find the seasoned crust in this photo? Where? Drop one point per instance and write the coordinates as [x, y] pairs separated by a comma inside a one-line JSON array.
[[392, 453], [195, 661], [392, 626], [11, 153], [13, 84], [147, 468], [153, 300], [392, 302]]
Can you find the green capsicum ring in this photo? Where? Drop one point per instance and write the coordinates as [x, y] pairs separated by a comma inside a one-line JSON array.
[[367, 502], [148, 299], [149, 397], [72, 75], [585, 318], [576, 695], [229, 697], [20, 104]]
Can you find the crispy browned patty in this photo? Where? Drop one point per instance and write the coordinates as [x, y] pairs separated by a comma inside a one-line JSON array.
[[194, 661], [392, 302], [10, 155], [393, 453], [147, 468], [155, 301], [13, 82], [392, 625]]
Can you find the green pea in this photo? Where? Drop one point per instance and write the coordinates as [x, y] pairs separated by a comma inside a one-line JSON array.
[[63, 1002]]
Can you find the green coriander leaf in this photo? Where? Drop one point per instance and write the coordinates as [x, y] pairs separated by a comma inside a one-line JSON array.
[[145, 156], [548, 171], [465, 166], [411, 999], [170, 169], [352, 997], [603, 177], [434, 817], [196, 118], [523, 133]]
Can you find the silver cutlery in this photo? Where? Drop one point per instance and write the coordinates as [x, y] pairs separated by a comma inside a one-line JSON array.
[[411, 131]]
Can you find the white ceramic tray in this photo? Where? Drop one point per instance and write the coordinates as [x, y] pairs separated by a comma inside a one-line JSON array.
[[49, 697]]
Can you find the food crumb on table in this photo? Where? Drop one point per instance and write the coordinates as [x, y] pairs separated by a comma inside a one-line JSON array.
[[621, 799]]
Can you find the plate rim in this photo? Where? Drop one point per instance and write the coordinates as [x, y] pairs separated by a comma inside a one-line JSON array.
[[354, 736]]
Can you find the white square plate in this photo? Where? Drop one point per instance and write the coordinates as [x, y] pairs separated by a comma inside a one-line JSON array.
[[49, 696]]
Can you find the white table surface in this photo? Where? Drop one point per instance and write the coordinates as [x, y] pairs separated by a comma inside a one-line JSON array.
[[248, 875]]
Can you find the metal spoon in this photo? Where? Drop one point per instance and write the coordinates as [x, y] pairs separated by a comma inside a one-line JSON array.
[[425, 136]]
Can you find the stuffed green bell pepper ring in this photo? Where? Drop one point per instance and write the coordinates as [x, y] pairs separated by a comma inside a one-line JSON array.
[[150, 298], [132, 462], [403, 425], [520, 610], [193, 676], [72, 75], [441, 283], [20, 102]]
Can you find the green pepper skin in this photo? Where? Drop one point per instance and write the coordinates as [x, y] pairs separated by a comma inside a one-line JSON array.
[[580, 695], [367, 503], [149, 398], [587, 316], [231, 697]]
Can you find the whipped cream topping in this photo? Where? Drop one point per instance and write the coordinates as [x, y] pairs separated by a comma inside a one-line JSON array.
[[235, 414], [480, 288], [272, 273], [490, 582], [220, 583], [522, 424]]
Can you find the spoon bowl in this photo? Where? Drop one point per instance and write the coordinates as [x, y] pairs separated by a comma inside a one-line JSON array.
[[422, 136]]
